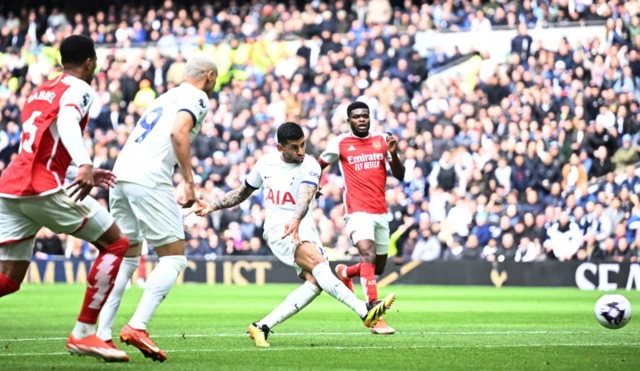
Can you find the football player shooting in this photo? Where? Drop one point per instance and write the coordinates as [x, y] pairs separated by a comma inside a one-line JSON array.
[[32, 195], [290, 180], [362, 155]]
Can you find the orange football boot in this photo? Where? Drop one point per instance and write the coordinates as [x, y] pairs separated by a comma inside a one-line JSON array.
[[93, 346], [381, 328], [140, 339]]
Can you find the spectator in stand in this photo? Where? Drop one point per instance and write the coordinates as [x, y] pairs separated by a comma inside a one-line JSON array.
[[565, 238], [601, 165], [625, 155], [574, 174]]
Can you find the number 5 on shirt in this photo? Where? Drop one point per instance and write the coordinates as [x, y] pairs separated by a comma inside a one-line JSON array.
[[29, 133], [148, 126]]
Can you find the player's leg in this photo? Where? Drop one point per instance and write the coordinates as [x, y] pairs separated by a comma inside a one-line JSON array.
[[90, 222], [382, 252], [127, 221], [292, 304], [110, 308], [14, 264], [159, 283], [161, 224], [17, 233], [361, 229], [309, 258]]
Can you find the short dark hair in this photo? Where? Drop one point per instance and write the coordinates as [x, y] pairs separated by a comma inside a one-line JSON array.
[[356, 105], [289, 131], [76, 49]]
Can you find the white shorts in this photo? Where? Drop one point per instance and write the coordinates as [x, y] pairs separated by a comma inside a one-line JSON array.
[[22, 218], [285, 249], [143, 212], [374, 227]]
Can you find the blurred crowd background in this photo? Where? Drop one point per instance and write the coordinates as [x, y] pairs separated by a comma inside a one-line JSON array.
[[516, 160]]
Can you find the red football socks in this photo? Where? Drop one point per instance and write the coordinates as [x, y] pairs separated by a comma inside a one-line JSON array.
[[368, 280], [7, 285], [353, 271], [101, 279]]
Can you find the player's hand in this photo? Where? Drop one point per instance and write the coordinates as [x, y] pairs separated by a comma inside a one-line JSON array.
[[200, 208], [83, 183], [104, 178], [319, 192], [291, 228], [189, 196], [392, 144]]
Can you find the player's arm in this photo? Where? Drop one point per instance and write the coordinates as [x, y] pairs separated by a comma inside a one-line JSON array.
[[330, 154], [182, 148], [230, 199], [397, 167], [102, 178], [306, 193], [68, 124]]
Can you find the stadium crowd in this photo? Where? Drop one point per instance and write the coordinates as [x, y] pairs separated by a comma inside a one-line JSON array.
[[499, 171]]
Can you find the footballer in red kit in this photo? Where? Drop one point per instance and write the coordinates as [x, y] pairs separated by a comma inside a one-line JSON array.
[[363, 156], [32, 193]]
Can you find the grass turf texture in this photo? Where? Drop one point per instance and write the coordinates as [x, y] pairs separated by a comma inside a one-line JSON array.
[[203, 327]]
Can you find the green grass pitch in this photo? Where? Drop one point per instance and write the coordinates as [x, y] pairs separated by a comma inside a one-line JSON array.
[[441, 328]]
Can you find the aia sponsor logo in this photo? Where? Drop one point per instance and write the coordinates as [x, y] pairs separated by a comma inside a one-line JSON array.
[[280, 198]]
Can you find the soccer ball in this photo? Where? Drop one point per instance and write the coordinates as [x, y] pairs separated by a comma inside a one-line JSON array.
[[613, 311]]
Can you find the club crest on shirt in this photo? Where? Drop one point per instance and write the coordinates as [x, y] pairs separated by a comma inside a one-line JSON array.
[[377, 145], [85, 100]]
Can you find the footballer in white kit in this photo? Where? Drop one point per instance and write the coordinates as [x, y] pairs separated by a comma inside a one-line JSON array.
[[143, 203], [289, 180]]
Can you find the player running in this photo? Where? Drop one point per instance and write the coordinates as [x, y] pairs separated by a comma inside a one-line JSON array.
[[362, 156], [290, 180], [32, 194], [143, 202]]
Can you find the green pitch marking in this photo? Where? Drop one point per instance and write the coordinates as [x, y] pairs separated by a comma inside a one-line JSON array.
[[440, 328]]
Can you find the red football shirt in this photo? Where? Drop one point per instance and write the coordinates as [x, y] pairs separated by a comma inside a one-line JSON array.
[[363, 165], [42, 161]]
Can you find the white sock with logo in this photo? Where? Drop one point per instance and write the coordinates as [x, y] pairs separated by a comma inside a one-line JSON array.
[[294, 303], [110, 308], [82, 330], [158, 285], [334, 287]]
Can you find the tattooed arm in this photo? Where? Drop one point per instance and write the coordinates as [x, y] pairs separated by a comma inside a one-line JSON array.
[[230, 199], [306, 194]]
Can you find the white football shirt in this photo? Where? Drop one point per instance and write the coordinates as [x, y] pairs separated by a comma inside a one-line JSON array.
[[148, 158], [280, 181]]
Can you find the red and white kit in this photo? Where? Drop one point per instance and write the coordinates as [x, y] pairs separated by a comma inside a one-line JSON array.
[[363, 163], [31, 188]]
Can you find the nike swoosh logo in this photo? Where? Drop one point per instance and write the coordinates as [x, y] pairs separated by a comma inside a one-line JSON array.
[[152, 348], [296, 305], [267, 177]]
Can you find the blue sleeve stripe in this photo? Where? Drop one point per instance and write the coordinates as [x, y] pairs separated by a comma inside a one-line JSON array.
[[309, 182], [193, 116], [249, 185]]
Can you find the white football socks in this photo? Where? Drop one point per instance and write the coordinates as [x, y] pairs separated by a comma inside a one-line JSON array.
[[294, 303], [82, 330], [110, 309], [158, 285], [334, 287]]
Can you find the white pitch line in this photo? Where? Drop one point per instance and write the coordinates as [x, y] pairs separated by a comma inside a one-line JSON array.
[[307, 348], [450, 333]]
